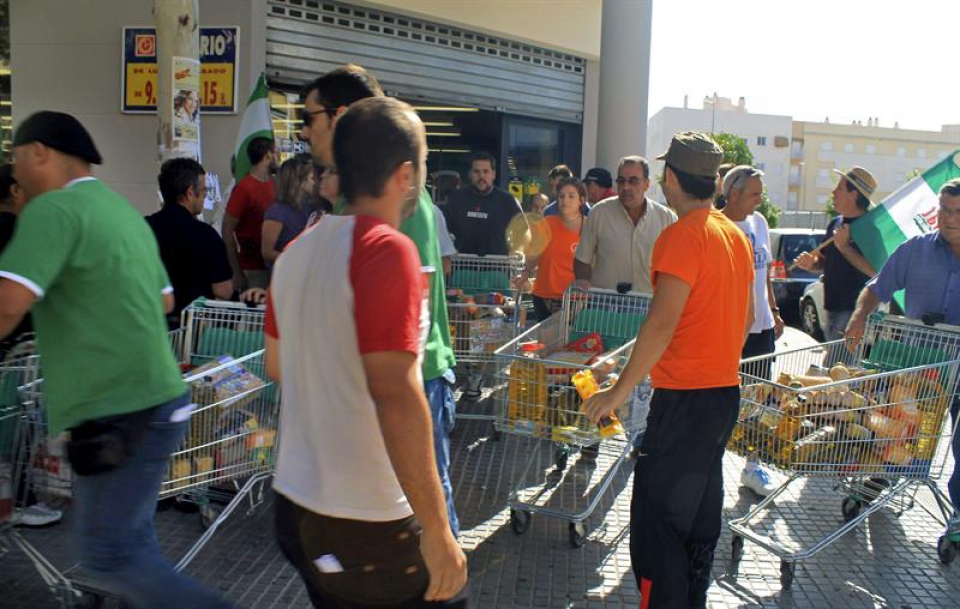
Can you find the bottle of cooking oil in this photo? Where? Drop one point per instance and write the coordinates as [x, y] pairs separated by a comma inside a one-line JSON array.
[[586, 385], [931, 420], [527, 388]]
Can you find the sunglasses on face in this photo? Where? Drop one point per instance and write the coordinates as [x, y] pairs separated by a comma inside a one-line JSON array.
[[307, 116]]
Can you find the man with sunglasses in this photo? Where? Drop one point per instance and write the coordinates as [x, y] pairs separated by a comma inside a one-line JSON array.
[[616, 246], [325, 100]]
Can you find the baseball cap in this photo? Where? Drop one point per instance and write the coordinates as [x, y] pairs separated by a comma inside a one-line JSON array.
[[599, 175], [694, 153], [59, 131]]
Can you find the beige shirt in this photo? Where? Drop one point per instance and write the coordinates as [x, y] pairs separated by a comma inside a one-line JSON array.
[[618, 250]]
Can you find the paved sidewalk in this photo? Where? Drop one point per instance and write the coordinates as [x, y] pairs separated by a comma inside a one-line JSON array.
[[889, 562]]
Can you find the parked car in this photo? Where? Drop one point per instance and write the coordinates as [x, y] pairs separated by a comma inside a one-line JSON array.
[[812, 315], [785, 245]]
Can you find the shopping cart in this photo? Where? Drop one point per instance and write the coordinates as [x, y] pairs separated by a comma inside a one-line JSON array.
[[485, 311], [593, 330], [877, 428], [28, 470], [229, 453]]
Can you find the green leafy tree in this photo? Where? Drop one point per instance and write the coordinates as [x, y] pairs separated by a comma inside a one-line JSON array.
[[736, 151]]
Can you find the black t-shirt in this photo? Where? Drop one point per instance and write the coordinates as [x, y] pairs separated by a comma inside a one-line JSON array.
[[8, 223], [842, 282], [192, 252], [478, 222]]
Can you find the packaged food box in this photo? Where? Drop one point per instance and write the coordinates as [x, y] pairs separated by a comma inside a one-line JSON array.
[[233, 385]]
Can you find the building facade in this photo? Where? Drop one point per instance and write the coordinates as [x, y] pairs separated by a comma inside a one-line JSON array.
[[521, 80], [767, 136], [893, 155]]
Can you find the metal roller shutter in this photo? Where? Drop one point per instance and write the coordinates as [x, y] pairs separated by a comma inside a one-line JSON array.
[[422, 61]]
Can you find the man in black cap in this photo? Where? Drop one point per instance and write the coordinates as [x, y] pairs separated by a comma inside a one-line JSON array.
[[85, 263], [599, 183]]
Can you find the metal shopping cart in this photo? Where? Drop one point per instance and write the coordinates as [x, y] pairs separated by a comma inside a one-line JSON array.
[[485, 311], [877, 427], [593, 330], [30, 467], [230, 449]]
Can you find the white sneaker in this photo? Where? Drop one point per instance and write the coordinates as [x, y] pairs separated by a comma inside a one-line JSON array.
[[36, 515], [758, 481]]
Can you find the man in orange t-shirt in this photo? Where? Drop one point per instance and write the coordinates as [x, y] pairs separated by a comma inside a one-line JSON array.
[[702, 274]]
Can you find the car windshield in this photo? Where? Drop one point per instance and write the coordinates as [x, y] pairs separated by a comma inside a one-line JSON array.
[[794, 245]]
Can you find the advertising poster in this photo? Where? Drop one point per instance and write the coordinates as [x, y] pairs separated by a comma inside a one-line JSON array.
[[218, 70], [186, 99]]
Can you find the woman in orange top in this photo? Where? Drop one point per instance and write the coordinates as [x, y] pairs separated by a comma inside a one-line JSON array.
[[555, 239]]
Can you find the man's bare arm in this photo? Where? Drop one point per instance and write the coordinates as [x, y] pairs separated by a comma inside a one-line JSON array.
[[394, 384], [582, 271], [653, 338], [15, 302], [230, 223]]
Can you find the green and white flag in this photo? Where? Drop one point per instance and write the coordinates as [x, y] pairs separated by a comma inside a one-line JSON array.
[[256, 123], [907, 212]]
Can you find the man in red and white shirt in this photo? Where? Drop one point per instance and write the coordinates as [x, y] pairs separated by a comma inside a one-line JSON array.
[[356, 475]]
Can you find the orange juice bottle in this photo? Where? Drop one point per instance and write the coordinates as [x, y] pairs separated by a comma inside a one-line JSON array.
[[586, 385]]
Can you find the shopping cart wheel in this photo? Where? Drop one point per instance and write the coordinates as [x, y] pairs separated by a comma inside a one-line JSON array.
[[561, 456], [87, 600], [737, 547], [946, 550], [787, 570], [578, 534], [209, 514], [851, 507], [519, 521]]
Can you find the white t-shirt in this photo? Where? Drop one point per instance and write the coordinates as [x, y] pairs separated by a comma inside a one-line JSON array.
[[443, 235], [349, 286], [758, 232]]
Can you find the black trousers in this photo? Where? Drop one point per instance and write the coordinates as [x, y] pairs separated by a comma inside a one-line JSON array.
[[544, 307], [675, 516], [354, 564]]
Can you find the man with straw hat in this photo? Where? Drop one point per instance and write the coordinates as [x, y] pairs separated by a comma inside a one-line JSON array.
[[845, 270]]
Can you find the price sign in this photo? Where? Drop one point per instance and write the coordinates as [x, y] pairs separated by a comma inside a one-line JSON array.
[[218, 70]]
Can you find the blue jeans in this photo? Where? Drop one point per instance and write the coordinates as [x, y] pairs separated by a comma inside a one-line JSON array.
[[953, 485], [118, 549], [443, 411], [836, 324]]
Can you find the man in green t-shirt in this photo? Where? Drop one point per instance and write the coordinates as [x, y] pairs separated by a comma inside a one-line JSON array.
[[86, 265], [325, 99]]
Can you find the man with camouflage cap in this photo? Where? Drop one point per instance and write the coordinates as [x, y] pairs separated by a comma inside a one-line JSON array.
[[702, 274]]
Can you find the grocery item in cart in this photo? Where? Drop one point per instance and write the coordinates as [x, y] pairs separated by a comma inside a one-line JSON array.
[[586, 385], [232, 385]]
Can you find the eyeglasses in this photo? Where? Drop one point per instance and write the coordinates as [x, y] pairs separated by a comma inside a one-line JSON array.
[[632, 181], [306, 116]]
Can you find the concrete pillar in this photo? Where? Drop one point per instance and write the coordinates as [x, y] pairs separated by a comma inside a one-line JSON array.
[[591, 116], [624, 80]]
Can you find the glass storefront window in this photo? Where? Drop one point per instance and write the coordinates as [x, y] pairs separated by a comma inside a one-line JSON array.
[[533, 147]]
